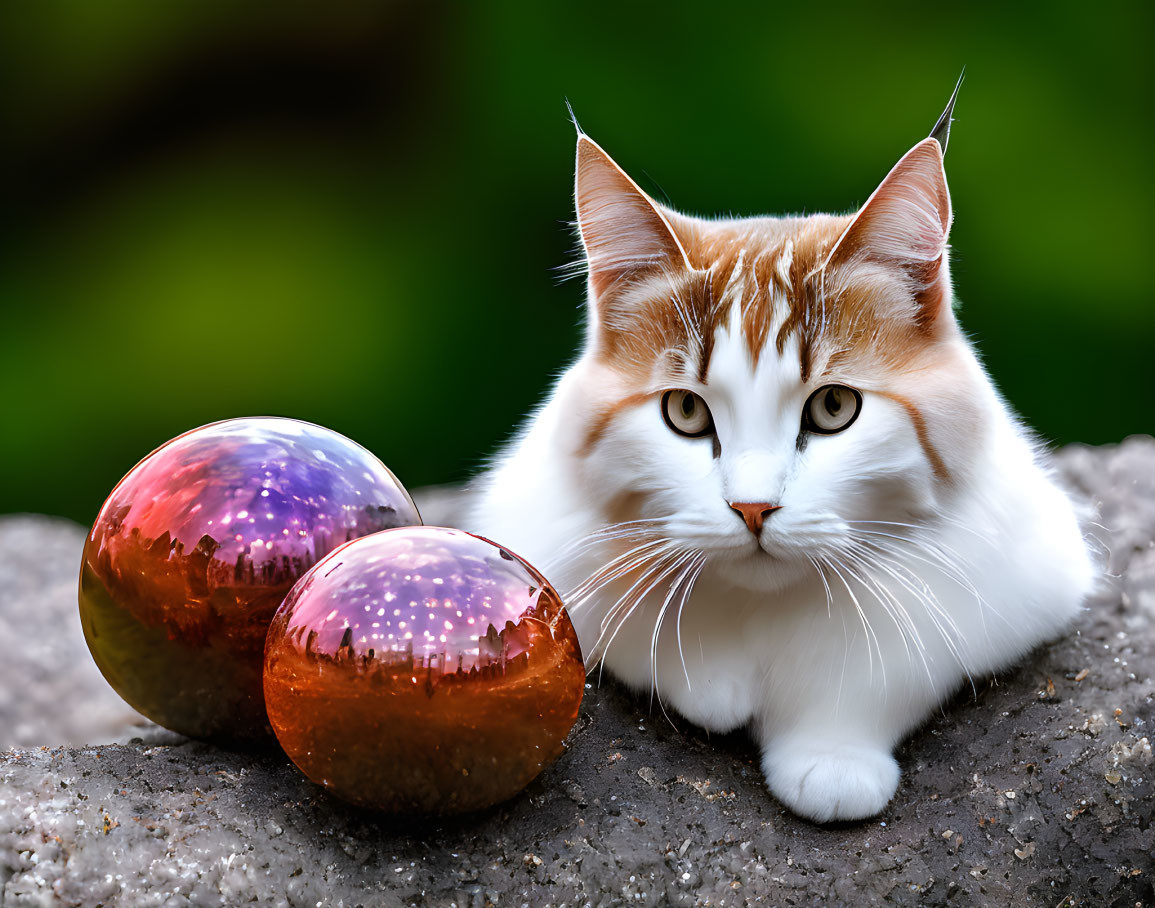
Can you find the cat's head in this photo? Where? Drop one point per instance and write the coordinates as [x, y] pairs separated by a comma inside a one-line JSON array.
[[765, 390]]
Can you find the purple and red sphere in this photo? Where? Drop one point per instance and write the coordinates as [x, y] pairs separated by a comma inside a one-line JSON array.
[[195, 549], [423, 669]]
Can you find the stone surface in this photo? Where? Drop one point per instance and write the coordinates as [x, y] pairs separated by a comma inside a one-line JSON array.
[[51, 691], [1037, 790]]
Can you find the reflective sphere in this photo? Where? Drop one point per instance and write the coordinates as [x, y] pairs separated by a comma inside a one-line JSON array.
[[196, 548], [423, 669]]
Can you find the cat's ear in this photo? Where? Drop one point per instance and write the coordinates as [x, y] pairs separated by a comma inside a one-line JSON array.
[[622, 229], [904, 225]]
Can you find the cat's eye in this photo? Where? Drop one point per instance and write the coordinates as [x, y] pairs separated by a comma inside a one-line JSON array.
[[831, 409], [686, 413]]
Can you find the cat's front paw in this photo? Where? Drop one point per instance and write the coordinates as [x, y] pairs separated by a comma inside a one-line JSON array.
[[846, 782]]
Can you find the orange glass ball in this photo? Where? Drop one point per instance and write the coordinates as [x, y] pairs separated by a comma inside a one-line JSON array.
[[195, 549], [423, 669]]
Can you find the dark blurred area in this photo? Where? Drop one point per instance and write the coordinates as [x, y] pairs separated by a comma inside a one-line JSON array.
[[354, 214]]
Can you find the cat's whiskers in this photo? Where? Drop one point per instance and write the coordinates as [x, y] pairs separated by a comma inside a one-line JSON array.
[[822, 576], [685, 597], [640, 542], [895, 610], [640, 529], [614, 569], [646, 557], [956, 569], [838, 567], [924, 527], [624, 604], [876, 558], [685, 564], [633, 600], [947, 559], [889, 560], [925, 594], [679, 591], [819, 567], [666, 559]]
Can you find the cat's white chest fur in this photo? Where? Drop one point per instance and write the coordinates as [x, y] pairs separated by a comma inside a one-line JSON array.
[[778, 490]]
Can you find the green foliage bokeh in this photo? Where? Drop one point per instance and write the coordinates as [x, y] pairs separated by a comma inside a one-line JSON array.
[[354, 214]]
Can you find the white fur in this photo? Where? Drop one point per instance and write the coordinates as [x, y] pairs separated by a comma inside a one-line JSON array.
[[829, 661]]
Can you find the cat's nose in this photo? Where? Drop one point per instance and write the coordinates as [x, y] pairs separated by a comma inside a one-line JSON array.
[[754, 513]]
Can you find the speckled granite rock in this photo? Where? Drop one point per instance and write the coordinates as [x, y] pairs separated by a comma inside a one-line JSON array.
[[1040, 790], [51, 691]]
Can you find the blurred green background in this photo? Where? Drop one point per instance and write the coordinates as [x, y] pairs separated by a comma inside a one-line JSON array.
[[353, 214]]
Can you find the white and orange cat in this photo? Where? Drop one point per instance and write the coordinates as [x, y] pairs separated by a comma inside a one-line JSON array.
[[777, 487]]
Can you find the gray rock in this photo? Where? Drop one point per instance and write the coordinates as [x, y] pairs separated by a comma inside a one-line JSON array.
[[51, 691], [1035, 790]]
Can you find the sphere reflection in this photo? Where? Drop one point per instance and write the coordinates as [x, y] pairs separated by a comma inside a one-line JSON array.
[[197, 546], [423, 669]]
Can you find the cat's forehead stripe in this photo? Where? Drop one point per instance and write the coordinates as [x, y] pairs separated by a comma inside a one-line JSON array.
[[767, 269]]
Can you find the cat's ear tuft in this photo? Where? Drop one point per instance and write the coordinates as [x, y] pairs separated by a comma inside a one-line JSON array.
[[905, 224], [573, 119], [941, 131], [622, 229]]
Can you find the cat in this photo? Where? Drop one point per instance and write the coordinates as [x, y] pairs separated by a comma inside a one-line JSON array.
[[777, 488]]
